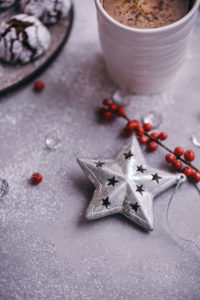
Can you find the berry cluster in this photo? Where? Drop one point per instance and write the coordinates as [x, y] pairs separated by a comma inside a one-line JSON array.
[[152, 140], [176, 160], [134, 126], [110, 109]]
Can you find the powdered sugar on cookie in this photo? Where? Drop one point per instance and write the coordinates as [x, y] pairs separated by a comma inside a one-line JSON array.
[[22, 39], [48, 11]]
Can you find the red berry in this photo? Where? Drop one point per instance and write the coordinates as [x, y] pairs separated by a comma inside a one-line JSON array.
[[153, 146], [107, 115], [178, 151], [189, 155], [133, 124], [136, 121], [39, 86], [155, 135], [147, 127], [163, 136], [36, 178], [120, 111], [188, 171], [196, 176], [113, 107], [170, 158], [139, 130], [106, 101], [177, 165], [143, 139]]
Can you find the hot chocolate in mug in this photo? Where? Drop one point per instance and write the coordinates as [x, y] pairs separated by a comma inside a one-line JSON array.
[[144, 61]]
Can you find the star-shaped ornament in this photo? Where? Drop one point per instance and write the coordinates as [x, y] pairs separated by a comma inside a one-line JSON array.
[[122, 188]]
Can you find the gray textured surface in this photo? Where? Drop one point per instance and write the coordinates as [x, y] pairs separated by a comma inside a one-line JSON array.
[[47, 248]]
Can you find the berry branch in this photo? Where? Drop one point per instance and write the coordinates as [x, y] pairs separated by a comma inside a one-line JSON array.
[[152, 140]]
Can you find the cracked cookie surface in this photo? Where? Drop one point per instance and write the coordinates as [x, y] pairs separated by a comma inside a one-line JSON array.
[[23, 38], [48, 11]]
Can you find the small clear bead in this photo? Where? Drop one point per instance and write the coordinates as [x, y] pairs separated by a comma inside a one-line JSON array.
[[52, 142], [196, 137], [122, 97], [4, 187], [153, 117]]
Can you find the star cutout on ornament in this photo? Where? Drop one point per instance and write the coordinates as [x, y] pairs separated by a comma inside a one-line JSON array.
[[140, 189], [128, 155], [156, 177], [106, 202], [134, 206], [99, 164], [112, 181], [133, 194], [140, 169]]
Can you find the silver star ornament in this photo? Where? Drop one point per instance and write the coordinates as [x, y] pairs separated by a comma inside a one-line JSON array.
[[126, 185]]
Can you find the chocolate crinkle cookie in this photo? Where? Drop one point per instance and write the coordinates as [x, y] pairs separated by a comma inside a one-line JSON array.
[[22, 39], [48, 11], [6, 3]]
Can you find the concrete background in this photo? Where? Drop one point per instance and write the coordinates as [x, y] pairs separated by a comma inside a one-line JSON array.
[[47, 248]]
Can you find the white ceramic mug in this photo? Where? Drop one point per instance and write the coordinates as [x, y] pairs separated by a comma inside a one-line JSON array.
[[144, 61]]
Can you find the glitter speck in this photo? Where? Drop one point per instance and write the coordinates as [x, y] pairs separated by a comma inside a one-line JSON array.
[[153, 117], [122, 97], [52, 142], [196, 137]]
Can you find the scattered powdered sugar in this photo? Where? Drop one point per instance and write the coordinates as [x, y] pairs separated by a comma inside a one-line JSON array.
[[48, 11], [23, 39]]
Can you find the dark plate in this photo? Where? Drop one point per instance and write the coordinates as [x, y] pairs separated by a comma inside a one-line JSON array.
[[13, 76]]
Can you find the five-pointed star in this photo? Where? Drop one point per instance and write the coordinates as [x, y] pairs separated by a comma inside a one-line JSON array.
[[99, 164], [134, 206], [156, 177], [128, 154], [140, 189], [140, 169], [105, 202], [112, 181], [132, 187]]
